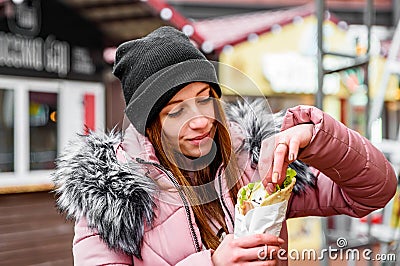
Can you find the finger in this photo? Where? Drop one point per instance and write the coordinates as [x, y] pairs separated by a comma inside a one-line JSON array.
[[259, 240], [267, 179], [279, 159], [266, 252], [263, 253], [266, 158], [270, 187], [294, 145], [267, 255], [282, 176]]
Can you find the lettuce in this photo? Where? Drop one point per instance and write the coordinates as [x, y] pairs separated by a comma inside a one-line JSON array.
[[290, 173]]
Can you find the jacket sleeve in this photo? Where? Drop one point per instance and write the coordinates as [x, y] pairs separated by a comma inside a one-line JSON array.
[[353, 176], [88, 249]]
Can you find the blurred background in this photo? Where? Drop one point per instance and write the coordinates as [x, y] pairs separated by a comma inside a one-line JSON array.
[[56, 80]]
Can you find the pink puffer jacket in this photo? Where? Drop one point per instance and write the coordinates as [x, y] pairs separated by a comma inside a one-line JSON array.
[[351, 177]]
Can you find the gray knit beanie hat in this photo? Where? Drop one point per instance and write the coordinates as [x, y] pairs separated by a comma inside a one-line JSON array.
[[154, 68]]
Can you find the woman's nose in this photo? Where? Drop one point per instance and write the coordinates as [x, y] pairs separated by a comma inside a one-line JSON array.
[[198, 122]]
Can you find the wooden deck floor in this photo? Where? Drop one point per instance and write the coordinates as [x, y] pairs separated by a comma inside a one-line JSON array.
[[32, 232]]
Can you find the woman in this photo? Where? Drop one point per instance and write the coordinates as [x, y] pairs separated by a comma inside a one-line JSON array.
[[163, 193]]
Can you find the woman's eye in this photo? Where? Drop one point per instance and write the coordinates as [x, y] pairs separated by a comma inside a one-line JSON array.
[[176, 113], [205, 100]]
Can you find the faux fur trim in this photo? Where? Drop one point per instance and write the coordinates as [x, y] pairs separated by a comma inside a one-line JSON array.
[[117, 199], [254, 117]]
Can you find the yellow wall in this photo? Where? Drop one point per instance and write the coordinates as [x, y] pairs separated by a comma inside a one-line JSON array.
[[376, 67]]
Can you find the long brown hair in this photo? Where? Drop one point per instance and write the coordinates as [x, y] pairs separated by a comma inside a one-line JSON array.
[[193, 186]]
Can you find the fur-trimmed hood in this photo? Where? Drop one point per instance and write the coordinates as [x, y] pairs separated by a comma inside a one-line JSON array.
[[118, 198], [114, 197]]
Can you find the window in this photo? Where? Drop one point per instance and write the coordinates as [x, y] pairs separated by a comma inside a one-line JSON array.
[[42, 130], [6, 130], [38, 118]]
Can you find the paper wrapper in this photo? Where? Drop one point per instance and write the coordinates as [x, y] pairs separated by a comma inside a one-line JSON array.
[[263, 219], [266, 218]]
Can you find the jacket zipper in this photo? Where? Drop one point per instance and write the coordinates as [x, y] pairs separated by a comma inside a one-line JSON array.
[[185, 202], [222, 198]]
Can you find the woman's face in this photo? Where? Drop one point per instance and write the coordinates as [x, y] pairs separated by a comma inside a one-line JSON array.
[[188, 120]]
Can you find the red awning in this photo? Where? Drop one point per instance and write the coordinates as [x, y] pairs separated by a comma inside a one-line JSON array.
[[212, 35]]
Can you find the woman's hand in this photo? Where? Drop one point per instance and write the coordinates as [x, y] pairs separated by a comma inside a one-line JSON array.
[[258, 249], [279, 151]]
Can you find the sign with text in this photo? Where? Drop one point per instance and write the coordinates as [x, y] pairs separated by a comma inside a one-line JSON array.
[[35, 54], [29, 45]]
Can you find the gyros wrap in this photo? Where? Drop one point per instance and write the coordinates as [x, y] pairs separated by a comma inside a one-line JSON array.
[[257, 211], [254, 194]]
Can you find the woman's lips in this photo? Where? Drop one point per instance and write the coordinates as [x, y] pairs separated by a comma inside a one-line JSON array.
[[197, 140]]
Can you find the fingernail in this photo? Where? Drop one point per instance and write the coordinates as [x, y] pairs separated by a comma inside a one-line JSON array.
[[291, 157], [281, 241], [275, 177]]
